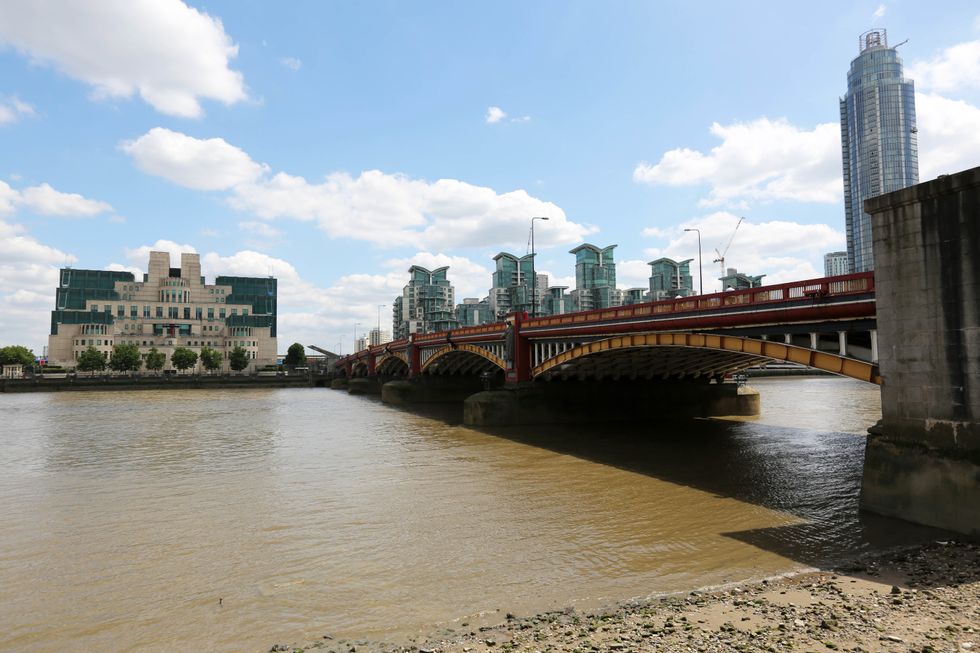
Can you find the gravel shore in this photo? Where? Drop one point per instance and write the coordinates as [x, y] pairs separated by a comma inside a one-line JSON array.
[[919, 600]]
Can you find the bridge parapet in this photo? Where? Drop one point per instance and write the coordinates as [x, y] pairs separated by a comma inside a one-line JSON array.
[[814, 309]]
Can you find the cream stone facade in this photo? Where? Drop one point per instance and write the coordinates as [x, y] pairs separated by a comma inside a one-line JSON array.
[[169, 308]]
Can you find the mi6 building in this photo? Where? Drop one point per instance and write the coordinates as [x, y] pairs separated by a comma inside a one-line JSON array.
[[168, 308]]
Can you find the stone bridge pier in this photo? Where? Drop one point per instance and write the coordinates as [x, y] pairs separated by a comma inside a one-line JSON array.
[[922, 462]]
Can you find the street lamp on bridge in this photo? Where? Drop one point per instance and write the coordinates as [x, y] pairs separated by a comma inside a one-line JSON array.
[[700, 274]]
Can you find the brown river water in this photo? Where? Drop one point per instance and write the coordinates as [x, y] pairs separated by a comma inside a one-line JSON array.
[[230, 520]]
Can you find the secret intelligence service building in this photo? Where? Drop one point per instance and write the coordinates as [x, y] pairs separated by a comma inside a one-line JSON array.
[[168, 308]]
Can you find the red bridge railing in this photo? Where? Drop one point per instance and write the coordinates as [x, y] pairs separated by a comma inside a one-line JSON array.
[[851, 284]]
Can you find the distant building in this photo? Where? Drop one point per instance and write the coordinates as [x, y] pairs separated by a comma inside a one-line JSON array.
[[670, 278], [474, 312], [168, 308], [835, 264], [634, 296], [378, 337], [426, 305], [878, 138], [736, 280], [595, 278], [511, 284], [555, 301]]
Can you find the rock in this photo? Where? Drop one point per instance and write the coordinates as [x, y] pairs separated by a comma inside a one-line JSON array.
[[896, 589]]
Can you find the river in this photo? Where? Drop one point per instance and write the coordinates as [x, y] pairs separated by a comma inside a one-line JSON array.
[[229, 520]]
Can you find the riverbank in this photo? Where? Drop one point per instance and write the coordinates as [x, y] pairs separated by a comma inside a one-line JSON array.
[[173, 382], [924, 599]]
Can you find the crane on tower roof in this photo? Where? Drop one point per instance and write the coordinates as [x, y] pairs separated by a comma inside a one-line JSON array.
[[721, 255]]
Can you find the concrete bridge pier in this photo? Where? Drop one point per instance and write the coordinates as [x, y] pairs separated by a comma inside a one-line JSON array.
[[605, 401], [364, 385], [430, 390], [922, 462]]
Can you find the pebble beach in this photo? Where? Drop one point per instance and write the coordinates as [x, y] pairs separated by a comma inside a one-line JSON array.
[[921, 600]]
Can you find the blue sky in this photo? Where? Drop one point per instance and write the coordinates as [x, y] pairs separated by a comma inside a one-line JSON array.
[[334, 144]]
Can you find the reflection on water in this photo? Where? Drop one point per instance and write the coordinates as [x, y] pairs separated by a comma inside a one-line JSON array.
[[124, 517]]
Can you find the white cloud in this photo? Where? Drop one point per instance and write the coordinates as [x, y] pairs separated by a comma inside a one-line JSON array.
[[45, 200], [521, 119], [632, 274], [780, 249], [760, 160], [291, 62], [202, 164], [170, 54], [949, 135], [495, 115], [263, 229], [879, 12], [13, 109], [377, 207], [955, 68], [28, 277]]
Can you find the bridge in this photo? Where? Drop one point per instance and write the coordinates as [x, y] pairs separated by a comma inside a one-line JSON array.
[[827, 324], [652, 360]]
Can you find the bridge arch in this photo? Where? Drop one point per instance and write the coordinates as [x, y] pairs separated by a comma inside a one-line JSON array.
[[690, 354], [359, 368], [391, 364], [462, 359]]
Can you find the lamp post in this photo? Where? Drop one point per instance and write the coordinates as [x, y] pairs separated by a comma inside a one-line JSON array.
[[700, 274], [380, 306], [534, 274]]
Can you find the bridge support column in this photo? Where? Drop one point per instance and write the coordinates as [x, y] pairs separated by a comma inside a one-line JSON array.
[[364, 385], [922, 462], [842, 343], [874, 345], [604, 401], [430, 390], [815, 341]]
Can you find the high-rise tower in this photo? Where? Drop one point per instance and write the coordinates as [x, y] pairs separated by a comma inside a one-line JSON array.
[[878, 138]]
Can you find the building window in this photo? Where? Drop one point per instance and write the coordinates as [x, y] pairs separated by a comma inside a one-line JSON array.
[[234, 311], [172, 312], [221, 313], [159, 312], [95, 308], [146, 311], [187, 312], [244, 311], [133, 312], [198, 312], [210, 313]]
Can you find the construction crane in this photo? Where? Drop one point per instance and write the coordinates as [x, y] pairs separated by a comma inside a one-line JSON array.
[[721, 255]]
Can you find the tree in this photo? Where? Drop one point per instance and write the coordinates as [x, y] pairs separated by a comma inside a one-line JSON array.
[[155, 359], [295, 355], [16, 355], [125, 358], [211, 358], [91, 360], [238, 359], [183, 358]]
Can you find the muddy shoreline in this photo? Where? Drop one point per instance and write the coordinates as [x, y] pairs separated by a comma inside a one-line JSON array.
[[923, 599]]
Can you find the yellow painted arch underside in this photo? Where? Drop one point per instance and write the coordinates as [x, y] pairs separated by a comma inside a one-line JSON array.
[[473, 349], [776, 351]]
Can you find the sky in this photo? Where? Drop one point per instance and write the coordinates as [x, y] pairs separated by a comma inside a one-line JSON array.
[[333, 145]]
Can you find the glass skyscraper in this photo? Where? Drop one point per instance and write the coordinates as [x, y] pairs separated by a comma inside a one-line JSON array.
[[878, 138]]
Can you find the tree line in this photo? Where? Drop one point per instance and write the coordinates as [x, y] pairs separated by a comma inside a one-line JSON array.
[[127, 358]]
